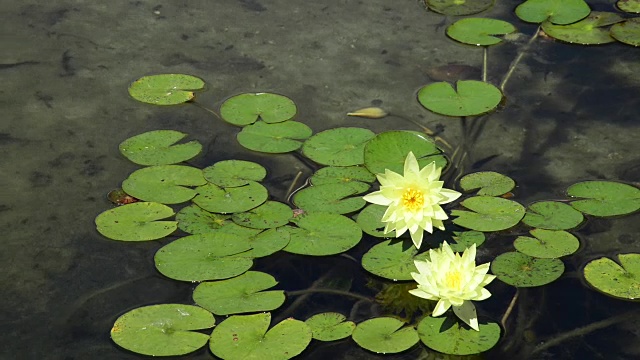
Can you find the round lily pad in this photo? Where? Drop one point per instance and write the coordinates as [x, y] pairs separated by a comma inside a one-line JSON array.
[[204, 257], [388, 150], [521, 270], [490, 183], [245, 109], [165, 184], [136, 222], [333, 198], [627, 32], [159, 148], [268, 242], [370, 220], [271, 214], [165, 89], [323, 234], [630, 6], [447, 335], [274, 138], [618, 280], [232, 173], [470, 97], [552, 215], [162, 330], [479, 31], [488, 213], [459, 8], [465, 239], [231, 200], [558, 12], [241, 294], [547, 243], [193, 219], [338, 175], [246, 337], [338, 147], [330, 326], [588, 31], [385, 335], [392, 260], [604, 198]]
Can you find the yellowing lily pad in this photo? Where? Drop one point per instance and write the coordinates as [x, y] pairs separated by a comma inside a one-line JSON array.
[[321, 234], [521, 270], [627, 32], [245, 109], [459, 7], [449, 336], [136, 222], [385, 335], [274, 138], [165, 89], [338, 147], [490, 183], [558, 12], [470, 97], [330, 326], [605, 198], [552, 215], [547, 243], [165, 184], [479, 31], [618, 280], [588, 31], [232, 173], [488, 213], [159, 148]]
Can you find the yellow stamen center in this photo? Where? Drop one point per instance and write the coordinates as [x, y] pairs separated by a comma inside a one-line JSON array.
[[413, 199], [453, 279]]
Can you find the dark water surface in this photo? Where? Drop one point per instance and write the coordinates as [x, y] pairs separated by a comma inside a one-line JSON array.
[[571, 113]]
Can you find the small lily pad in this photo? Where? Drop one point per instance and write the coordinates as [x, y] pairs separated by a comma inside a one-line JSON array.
[[489, 213], [479, 31], [490, 183], [605, 198], [165, 184], [392, 260], [385, 335], [465, 239], [521, 270], [630, 6], [388, 150], [333, 198], [231, 200], [618, 280], [271, 214], [370, 220], [322, 234], [159, 148], [232, 173], [547, 243], [339, 175], [193, 219], [470, 97], [552, 215], [274, 138], [268, 242], [558, 12], [447, 335], [165, 89], [338, 147], [627, 32], [245, 109], [588, 31], [459, 8], [136, 222], [330, 326]]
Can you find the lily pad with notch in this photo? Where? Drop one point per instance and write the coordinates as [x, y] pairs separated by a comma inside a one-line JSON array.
[[547, 243], [231, 200], [490, 183], [274, 138], [245, 109], [165, 89], [521, 270], [392, 259], [167, 184], [479, 31], [342, 146], [558, 12], [552, 215], [388, 150], [333, 198], [459, 8], [605, 198], [270, 214], [136, 222], [339, 175], [447, 335], [488, 213], [618, 279], [588, 31], [321, 234], [465, 239], [159, 147], [193, 219], [385, 335], [268, 242], [330, 326], [470, 97], [232, 173], [370, 220], [627, 32]]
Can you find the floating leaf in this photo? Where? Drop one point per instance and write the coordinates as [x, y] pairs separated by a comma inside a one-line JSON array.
[[340, 175], [547, 243], [232, 173], [162, 330], [630, 6], [490, 183], [552, 215], [158, 148], [330, 326], [470, 97], [165, 89], [274, 138], [231, 200], [245, 109], [323, 234], [271, 214], [164, 183], [459, 8], [611, 278], [268, 242], [388, 150], [465, 239], [627, 32], [193, 219], [520, 270], [392, 259], [588, 31], [246, 337], [605, 198], [558, 12], [338, 147], [370, 220], [385, 335], [490, 213], [136, 222], [333, 198], [241, 294], [479, 31], [369, 113], [446, 335]]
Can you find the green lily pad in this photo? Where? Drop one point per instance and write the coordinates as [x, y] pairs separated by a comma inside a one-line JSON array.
[[158, 148], [490, 183], [330, 326], [241, 294], [479, 31], [162, 330], [630, 6], [204, 257], [464, 240], [271, 214], [521, 270], [552, 215], [333, 198], [338, 147], [340, 175], [604, 198], [245, 109], [447, 335], [385, 335], [388, 150], [470, 97], [547, 243], [231, 200], [611, 278], [489, 213], [588, 31], [164, 183], [370, 220], [136, 222], [627, 32], [274, 138], [232, 173], [246, 337], [322, 234], [392, 260], [165, 89], [558, 12], [458, 7], [268, 242], [193, 219]]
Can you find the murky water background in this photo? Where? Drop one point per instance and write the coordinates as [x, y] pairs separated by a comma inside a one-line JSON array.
[[571, 114]]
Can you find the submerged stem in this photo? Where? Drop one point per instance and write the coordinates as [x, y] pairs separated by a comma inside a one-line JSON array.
[[484, 63], [205, 108], [516, 61]]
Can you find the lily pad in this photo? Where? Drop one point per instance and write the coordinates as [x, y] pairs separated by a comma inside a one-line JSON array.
[[630, 6], [159, 148], [246, 337], [447, 335], [322, 234], [385, 335], [490, 183], [274, 138], [339, 175], [163, 330], [547, 243], [245, 109], [465, 239], [370, 220], [241, 294], [489, 213], [232, 173], [165, 184], [268, 242], [338, 147], [605, 198], [388, 150], [165, 89], [136, 222], [470, 97], [558, 12], [193, 219], [459, 8], [231, 200], [552, 215], [588, 31], [271, 214], [333, 198], [392, 260], [521, 270], [479, 31], [618, 280], [330, 326], [627, 32]]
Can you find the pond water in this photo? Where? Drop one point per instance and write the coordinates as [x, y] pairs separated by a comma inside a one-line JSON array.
[[571, 113]]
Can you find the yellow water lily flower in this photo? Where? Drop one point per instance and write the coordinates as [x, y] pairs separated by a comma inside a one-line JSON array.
[[413, 199], [454, 281]]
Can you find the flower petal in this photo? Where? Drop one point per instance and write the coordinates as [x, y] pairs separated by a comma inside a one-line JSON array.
[[442, 306]]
